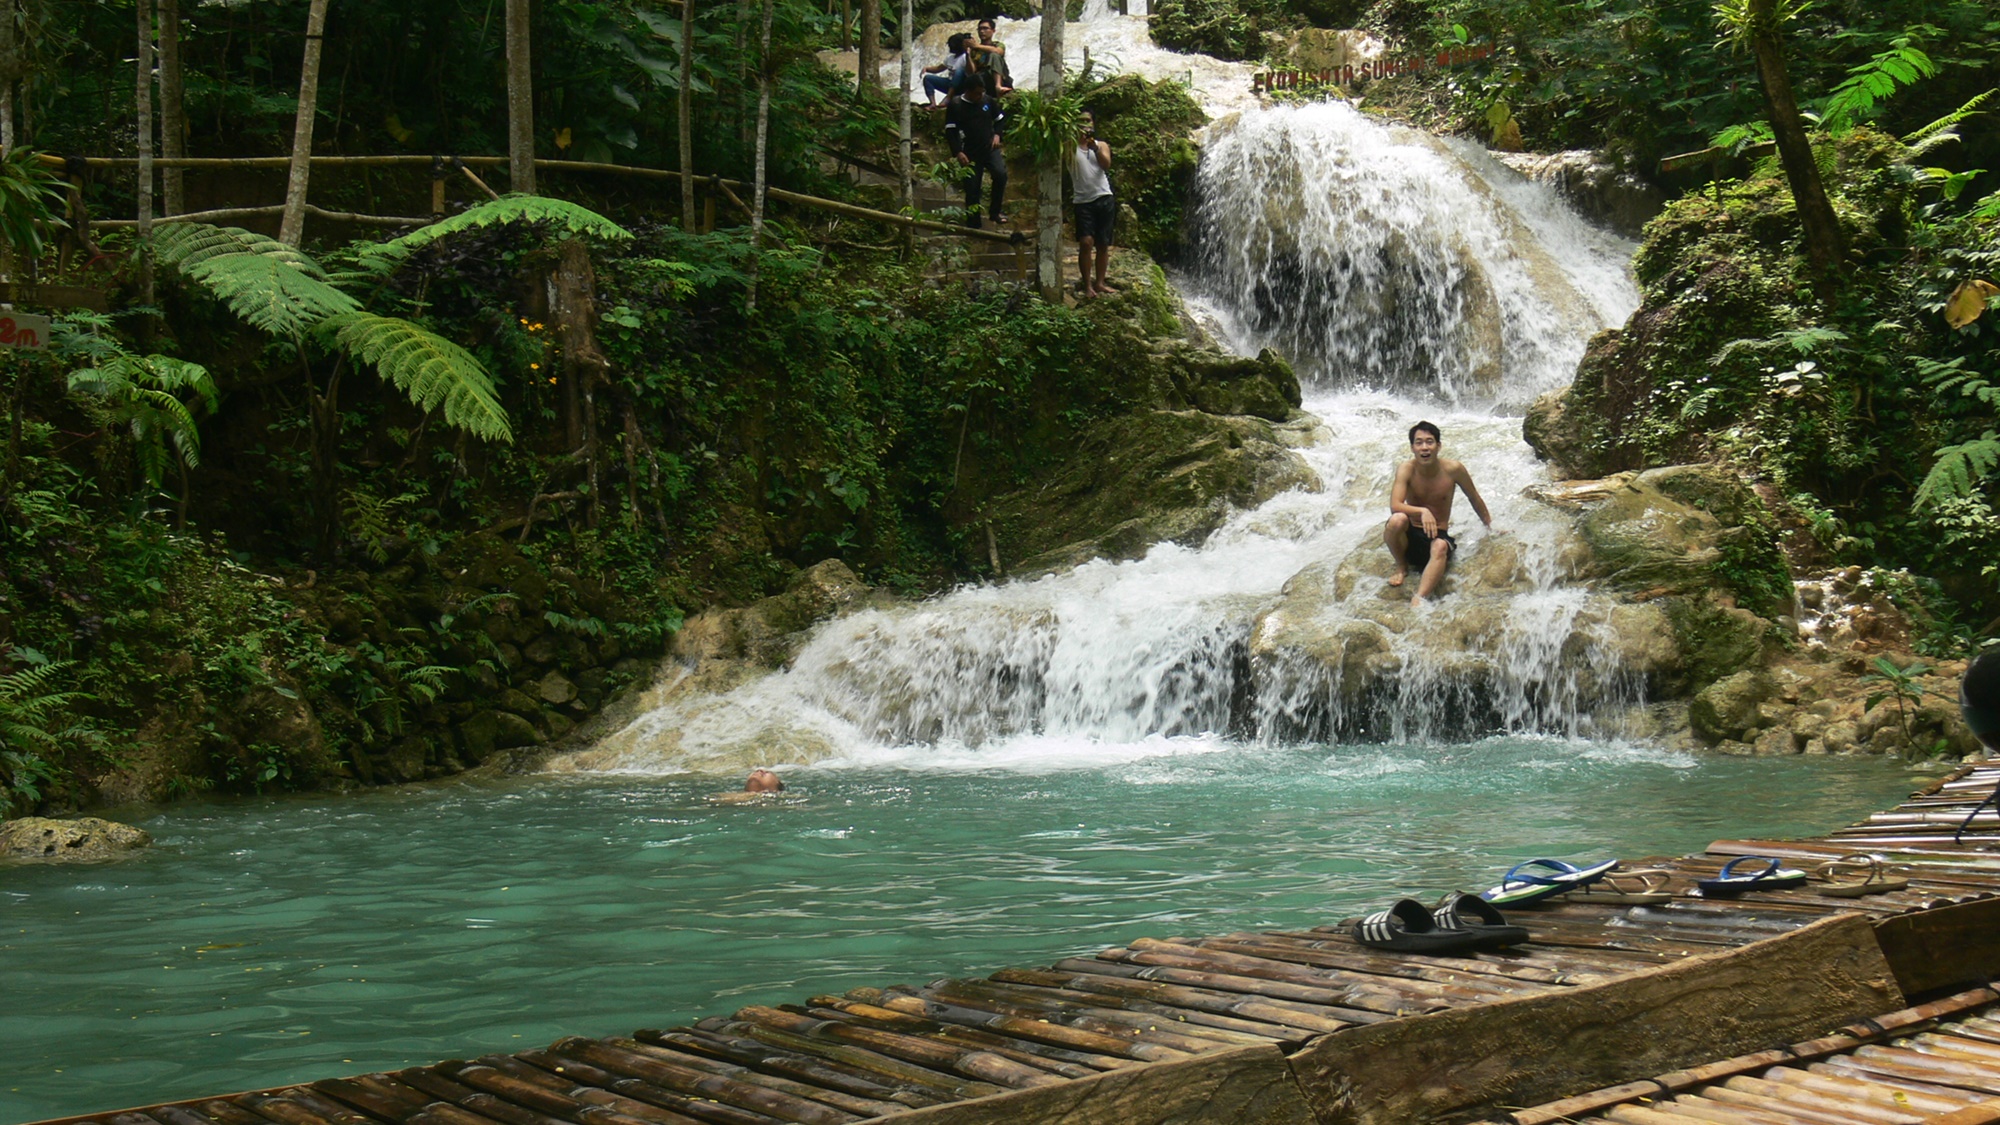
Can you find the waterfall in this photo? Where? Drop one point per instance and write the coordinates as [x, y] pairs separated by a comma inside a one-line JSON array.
[[1406, 278]]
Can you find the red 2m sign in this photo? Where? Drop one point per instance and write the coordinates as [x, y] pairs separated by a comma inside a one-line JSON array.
[[23, 330]]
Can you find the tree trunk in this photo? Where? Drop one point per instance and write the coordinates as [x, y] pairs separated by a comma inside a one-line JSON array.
[[903, 119], [142, 104], [13, 68], [870, 37], [520, 99], [142, 108], [1825, 245], [293, 228], [173, 115], [1048, 211], [686, 109], [763, 150], [903, 114]]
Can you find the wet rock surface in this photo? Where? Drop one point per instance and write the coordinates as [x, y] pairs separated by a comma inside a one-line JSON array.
[[36, 839]]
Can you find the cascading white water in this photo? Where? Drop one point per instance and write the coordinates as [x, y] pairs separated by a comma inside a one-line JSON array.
[[1407, 278]]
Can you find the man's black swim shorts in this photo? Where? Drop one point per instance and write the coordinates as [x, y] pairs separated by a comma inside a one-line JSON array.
[[1417, 552]]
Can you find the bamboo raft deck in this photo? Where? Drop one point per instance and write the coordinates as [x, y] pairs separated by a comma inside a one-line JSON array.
[[957, 1043], [1936, 1062]]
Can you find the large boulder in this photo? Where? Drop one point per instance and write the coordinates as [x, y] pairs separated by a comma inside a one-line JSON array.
[[1593, 184], [85, 839], [1140, 479]]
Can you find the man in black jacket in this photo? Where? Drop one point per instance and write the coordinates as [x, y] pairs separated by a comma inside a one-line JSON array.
[[972, 125]]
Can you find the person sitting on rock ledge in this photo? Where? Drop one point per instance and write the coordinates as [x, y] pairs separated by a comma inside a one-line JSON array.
[[1420, 510], [760, 784]]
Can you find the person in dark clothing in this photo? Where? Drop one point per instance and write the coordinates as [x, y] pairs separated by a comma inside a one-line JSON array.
[[972, 126]]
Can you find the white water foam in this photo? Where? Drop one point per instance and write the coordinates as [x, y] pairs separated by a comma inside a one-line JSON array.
[[1405, 278]]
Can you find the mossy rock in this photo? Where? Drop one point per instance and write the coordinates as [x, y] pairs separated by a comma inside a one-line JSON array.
[[1688, 529], [1140, 479]]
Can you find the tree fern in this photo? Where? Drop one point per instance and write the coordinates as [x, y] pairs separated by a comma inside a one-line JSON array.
[[29, 705], [1942, 131], [430, 369], [1950, 374], [516, 209], [1960, 470], [143, 393], [270, 285], [1873, 82]]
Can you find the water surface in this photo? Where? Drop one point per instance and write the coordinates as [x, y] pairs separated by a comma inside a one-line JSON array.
[[283, 939]]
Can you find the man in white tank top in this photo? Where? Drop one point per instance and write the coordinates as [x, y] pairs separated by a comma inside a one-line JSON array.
[[1096, 207]]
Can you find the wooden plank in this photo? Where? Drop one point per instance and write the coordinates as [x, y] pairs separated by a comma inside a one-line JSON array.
[[1534, 1048], [1238, 1086], [55, 296], [1957, 945]]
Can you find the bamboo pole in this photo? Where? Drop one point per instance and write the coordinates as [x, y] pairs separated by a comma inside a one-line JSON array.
[[911, 1018], [758, 1023], [926, 1016], [1217, 1009], [688, 1083], [697, 1058], [807, 1069], [983, 1066], [909, 1082], [797, 199], [227, 213], [1224, 1005]]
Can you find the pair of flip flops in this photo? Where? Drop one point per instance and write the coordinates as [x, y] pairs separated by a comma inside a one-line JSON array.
[[1853, 876], [1741, 875], [1460, 923], [1538, 879], [1646, 886]]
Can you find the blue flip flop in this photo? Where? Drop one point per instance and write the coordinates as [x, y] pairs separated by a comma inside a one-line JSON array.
[[1770, 877], [1519, 887]]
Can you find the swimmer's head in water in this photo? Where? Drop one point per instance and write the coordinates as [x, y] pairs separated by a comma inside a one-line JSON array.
[[1979, 698], [763, 781]]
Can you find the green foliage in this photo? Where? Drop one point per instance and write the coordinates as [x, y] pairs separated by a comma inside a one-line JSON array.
[[1222, 28], [31, 202], [1873, 82], [1901, 685], [269, 285], [428, 368], [1044, 127], [556, 214], [30, 706], [143, 394]]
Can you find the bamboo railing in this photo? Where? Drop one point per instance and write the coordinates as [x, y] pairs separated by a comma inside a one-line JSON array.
[[441, 166]]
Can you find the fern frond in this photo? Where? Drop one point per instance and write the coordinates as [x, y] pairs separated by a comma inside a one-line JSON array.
[[430, 369], [268, 284], [1872, 82], [516, 209], [1959, 470], [184, 245]]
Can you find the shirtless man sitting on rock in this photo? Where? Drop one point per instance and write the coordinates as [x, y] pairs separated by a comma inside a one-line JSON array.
[[1420, 510]]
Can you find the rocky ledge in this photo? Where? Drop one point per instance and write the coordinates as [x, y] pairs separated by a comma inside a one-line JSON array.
[[37, 839]]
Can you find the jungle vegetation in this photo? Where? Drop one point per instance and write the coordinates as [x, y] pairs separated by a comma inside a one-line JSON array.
[[317, 464]]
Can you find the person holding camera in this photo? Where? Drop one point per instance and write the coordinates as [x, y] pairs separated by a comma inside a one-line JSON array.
[[972, 125], [1096, 207]]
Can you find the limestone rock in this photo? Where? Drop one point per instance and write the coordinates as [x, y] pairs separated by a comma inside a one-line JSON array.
[[1594, 185], [1727, 708], [555, 688], [1141, 479], [512, 731], [767, 632], [89, 838]]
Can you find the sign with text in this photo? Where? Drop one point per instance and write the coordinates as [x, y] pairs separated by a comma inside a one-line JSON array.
[[23, 330], [1267, 80]]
